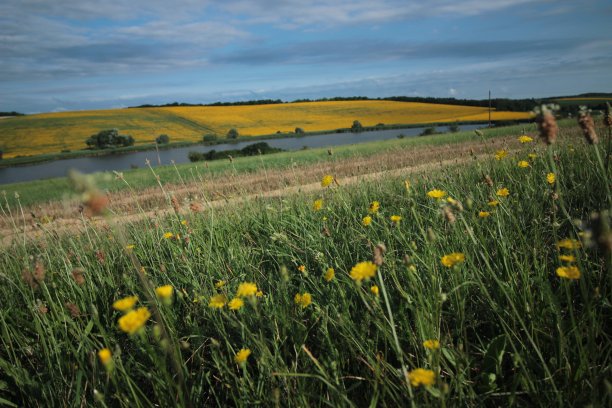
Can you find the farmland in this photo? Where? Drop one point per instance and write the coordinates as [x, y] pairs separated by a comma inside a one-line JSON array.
[[54, 132]]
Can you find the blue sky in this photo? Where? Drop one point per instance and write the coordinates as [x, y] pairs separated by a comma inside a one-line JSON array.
[[85, 54]]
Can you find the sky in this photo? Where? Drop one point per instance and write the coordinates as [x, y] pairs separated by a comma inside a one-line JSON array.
[[58, 55]]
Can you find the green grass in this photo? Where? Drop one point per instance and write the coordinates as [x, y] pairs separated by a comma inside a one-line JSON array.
[[41, 191], [511, 331]]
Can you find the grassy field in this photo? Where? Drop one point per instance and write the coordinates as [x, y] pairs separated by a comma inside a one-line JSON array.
[[498, 296], [54, 132]]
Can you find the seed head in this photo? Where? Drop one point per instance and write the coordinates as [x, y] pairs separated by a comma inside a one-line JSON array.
[[587, 125], [547, 124]]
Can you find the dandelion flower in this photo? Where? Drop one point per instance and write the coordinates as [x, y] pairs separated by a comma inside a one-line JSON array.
[[569, 244], [568, 272], [484, 214], [217, 301], [327, 180], [105, 356], [168, 235], [375, 291], [363, 270], [259, 294], [317, 205], [329, 274], [525, 139], [437, 194], [219, 284], [523, 164], [503, 192], [421, 376], [125, 304], [396, 219], [532, 156], [367, 220], [500, 154], [246, 289], [452, 259], [493, 203], [302, 268], [551, 178], [303, 299], [567, 258], [374, 206], [164, 292], [235, 304], [134, 320], [431, 344], [242, 355]]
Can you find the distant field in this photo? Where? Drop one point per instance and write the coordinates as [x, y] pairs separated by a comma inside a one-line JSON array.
[[53, 132]]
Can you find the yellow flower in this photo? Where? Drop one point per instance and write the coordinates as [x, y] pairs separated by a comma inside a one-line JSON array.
[[523, 164], [327, 180], [235, 304], [217, 301], [259, 293], [567, 258], [105, 356], [242, 356], [301, 268], [164, 292], [220, 284], [246, 289], [367, 220], [303, 300], [184, 222], [125, 304], [375, 291], [452, 259], [407, 185], [568, 272], [437, 194], [168, 235], [134, 320], [130, 247], [374, 206], [363, 270], [525, 139], [317, 205], [431, 344], [484, 214], [503, 192], [532, 156], [396, 219], [421, 376], [500, 154], [493, 203], [329, 274], [550, 178], [569, 244]]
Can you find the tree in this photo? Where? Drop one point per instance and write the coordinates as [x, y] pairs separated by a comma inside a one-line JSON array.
[[108, 139], [232, 134], [299, 131], [357, 127], [209, 138], [454, 128], [162, 139]]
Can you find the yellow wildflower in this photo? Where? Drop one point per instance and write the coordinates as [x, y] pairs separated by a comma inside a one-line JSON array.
[[431, 344], [375, 291], [219, 284], [303, 300], [217, 301], [452, 259], [551, 178], [317, 205], [134, 320], [327, 180], [168, 235], [569, 244], [246, 289], [503, 192], [125, 304], [484, 214], [184, 222], [130, 247], [235, 304], [493, 203], [525, 139], [374, 206], [259, 293], [302, 268], [367, 220], [421, 376], [568, 272], [164, 292], [242, 355], [532, 156], [407, 185], [500, 154], [396, 219], [567, 258], [329, 274], [105, 356], [437, 194], [523, 164], [363, 270]]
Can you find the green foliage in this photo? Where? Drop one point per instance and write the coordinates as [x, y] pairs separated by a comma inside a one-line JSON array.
[[162, 139], [232, 134], [250, 150], [431, 130], [299, 131], [356, 127], [108, 139]]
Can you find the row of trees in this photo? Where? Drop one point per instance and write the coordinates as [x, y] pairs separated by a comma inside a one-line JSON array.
[[110, 138]]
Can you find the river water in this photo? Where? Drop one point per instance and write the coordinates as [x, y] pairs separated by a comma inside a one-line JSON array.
[[119, 162]]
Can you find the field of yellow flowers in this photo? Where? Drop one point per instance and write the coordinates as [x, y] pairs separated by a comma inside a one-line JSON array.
[[54, 132], [485, 285]]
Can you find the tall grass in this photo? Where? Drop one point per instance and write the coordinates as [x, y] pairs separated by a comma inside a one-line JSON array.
[[511, 331]]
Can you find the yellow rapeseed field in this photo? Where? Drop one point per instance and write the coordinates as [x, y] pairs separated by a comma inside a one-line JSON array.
[[53, 132]]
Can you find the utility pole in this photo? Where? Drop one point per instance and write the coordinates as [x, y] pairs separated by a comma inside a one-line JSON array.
[[489, 108]]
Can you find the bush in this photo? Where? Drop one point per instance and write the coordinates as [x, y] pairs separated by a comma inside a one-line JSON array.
[[357, 127], [454, 128], [210, 138], [429, 131], [299, 131], [232, 134], [162, 139], [108, 139]]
